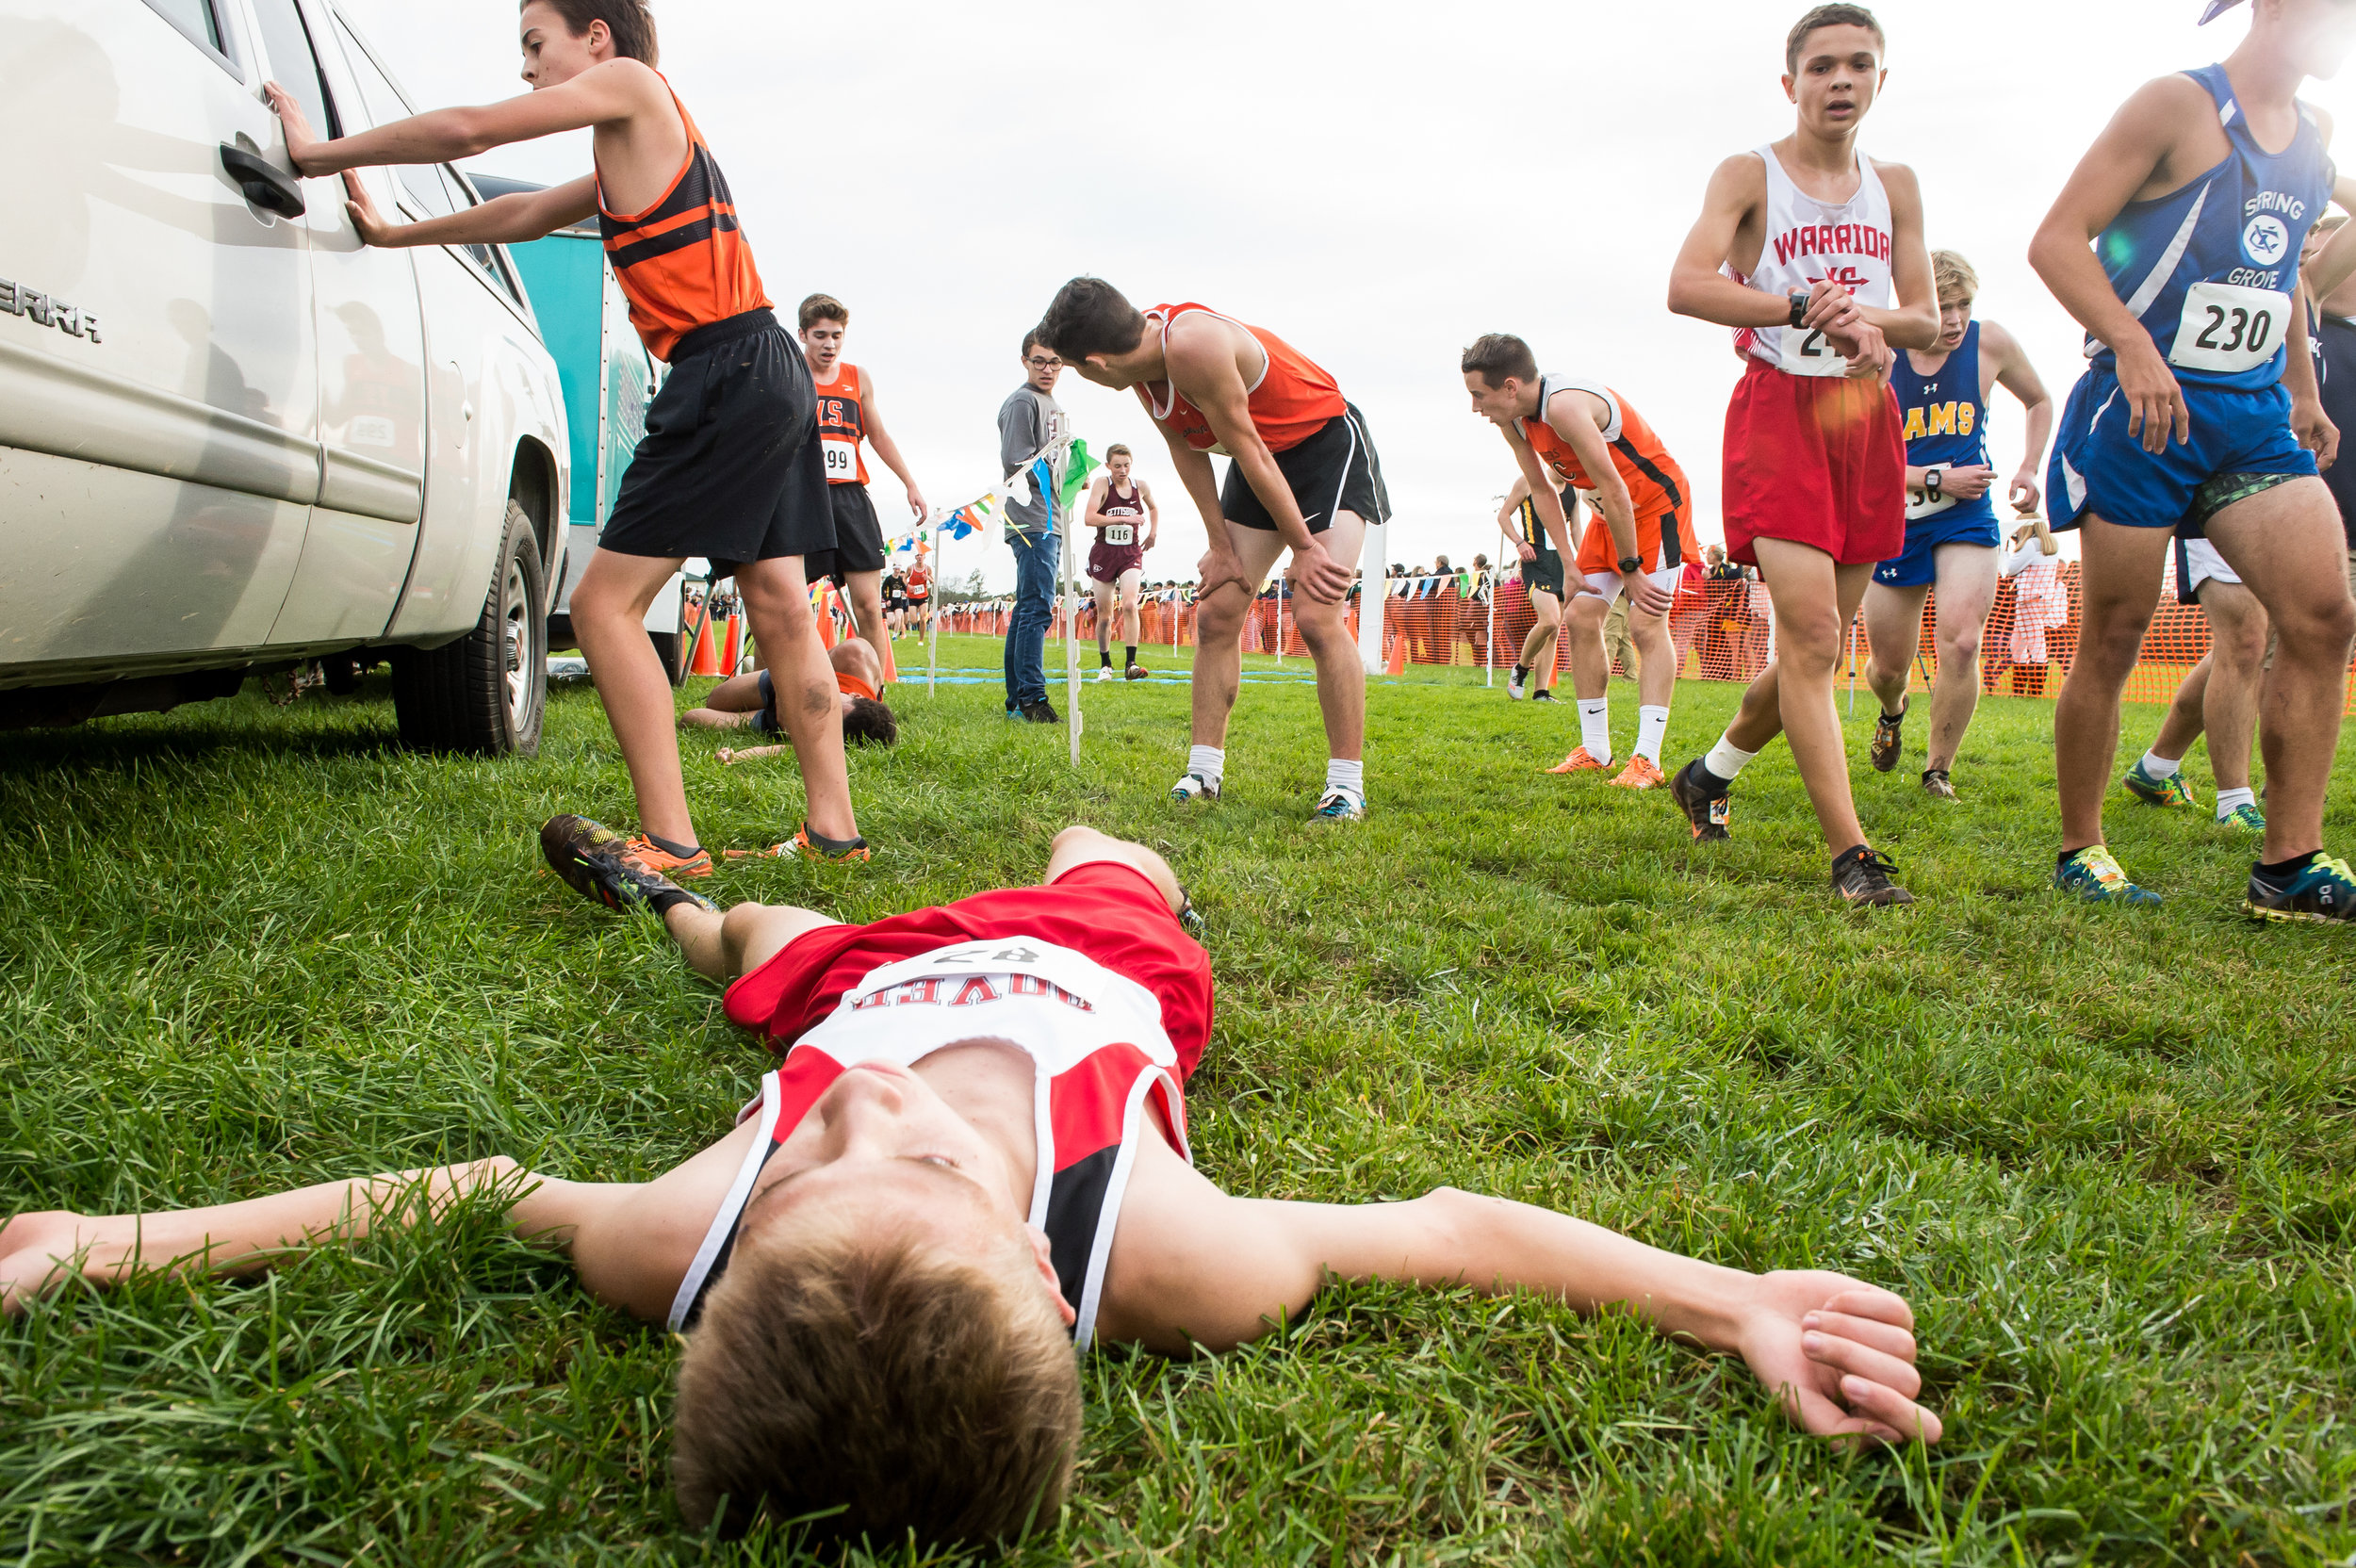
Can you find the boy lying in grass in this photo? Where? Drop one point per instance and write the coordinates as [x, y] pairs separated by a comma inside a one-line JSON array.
[[973, 1158]]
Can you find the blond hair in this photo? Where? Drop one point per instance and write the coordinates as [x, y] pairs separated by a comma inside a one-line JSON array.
[[876, 1377], [1953, 279]]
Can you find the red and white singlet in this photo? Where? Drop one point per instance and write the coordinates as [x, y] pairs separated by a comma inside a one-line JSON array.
[[1808, 240], [1290, 401], [1106, 1074]]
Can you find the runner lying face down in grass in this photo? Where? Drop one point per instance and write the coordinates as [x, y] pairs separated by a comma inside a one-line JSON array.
[[751, 701], [973, 1159]]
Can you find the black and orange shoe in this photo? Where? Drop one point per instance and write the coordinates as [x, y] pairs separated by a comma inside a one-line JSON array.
[[1703, 796], [595, 862], [810, 846]]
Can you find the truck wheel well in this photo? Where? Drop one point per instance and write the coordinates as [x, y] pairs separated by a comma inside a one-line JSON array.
[[533, 486]]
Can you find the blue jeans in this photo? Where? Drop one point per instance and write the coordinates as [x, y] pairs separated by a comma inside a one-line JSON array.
[[1034, 560]]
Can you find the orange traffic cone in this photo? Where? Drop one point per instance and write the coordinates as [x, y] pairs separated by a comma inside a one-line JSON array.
[[732, 650], [892, 665], [706, 660], [825, 616], [1399, 655]]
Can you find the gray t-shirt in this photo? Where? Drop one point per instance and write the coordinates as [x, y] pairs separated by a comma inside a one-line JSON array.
[[1028, 420]]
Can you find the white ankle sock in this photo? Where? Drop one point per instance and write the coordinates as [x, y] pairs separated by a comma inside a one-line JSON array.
[[1652, 725], [1595, 728], [1208, 762], [1726, 759], [2228, 799], [2160, 767], [1347, 776]]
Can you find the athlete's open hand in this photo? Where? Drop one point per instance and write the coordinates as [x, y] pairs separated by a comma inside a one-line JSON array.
[[1863, 346], [1318, 574], [1217, 568], [1529, 551], [1830, 307], [30, 1246], [370, 222], [2026, 495], [916, 501], [1967, 481], [2316, 430], [2155, 404], [301, 138], [1645, 596], [1840, 1354]]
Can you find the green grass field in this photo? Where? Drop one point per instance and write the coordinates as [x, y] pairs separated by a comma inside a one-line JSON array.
[[2111, 1157]]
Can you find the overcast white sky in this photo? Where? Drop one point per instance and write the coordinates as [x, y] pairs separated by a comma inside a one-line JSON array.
[[1377, 183]]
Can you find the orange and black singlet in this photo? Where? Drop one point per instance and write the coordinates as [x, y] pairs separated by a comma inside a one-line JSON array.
[[682, 262], [1292, 401], [842, 425]]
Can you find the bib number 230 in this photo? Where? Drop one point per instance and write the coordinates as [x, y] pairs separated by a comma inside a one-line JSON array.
[[2228, 328]]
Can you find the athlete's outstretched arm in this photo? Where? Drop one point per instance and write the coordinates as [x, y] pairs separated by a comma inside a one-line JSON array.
[[1099, 488], [1509, 518], [1535, 486], [889, 450], [1219, 563], [1571, 417], [510, 220], [614, 90], [1153, 514], [630, 1241], [2124, 159], [1191, 1265], [2016, 375]]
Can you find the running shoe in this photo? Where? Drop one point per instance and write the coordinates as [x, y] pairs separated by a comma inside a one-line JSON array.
[[1707, 813], [1936, 783], [654, 860], [807, 845], [2172, 791], [1581, 760], [1134, 672], [1641, 772], [1544, 693], [593, 861], [1194, 787], [1103, 672], [1517, 682], [2321, 891], [2094, 875], [1861, 876], [1888, 741], [1340, 805], [2245, 817]]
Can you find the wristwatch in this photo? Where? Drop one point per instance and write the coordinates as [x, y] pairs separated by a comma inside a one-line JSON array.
[[1799, 305], [1631, 563], [1930, 481]]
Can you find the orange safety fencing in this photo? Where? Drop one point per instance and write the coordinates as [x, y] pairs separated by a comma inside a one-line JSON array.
[[1722, 630]]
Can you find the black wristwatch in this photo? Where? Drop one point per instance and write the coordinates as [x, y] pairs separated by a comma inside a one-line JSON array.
[[1799, 305], [1631, 563], [1930, 482]]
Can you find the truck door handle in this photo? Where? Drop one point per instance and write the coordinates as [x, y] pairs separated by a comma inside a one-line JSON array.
[[271, 188]]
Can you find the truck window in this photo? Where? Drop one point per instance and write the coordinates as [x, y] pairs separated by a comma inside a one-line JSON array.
[[481, 255], [293, 66], [197, 21], [420, 184]]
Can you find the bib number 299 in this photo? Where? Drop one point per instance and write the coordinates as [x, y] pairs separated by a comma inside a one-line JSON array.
[[2227, 328], [841, 459]]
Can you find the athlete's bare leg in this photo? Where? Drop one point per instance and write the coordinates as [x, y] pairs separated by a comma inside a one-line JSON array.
[[1538, 647], [2287, 545], [2187, 712], [610, 618], [1591, 666], [2120, 589], [1107, 598], [1131, 590], [1325, 628], [1893, 631], [1657, 665], [1814, 601], [2219, 695], [1219, 640], [809, 705], [865, 592], [1967, 591], [1080, 847]]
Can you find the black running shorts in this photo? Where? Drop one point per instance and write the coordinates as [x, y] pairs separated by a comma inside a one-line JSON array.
[[1544, 574], [729, 467], [1334, 470], [858, 542]]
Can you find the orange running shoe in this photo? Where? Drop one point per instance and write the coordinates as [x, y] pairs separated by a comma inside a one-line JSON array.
[[809, 847], [654, 860], [1582, 761], [1641, 772]]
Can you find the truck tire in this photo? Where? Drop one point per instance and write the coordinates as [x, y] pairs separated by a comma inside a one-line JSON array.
[[484, 694]]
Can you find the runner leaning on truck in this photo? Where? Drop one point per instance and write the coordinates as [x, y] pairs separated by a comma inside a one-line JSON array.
[[730, 467]]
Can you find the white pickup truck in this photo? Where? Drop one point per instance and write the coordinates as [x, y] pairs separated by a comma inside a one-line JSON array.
[[232, 439]]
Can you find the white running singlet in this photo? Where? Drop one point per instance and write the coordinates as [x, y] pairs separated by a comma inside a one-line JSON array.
[[1808, 240]]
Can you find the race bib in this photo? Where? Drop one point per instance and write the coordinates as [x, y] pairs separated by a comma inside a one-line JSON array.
[[1120, 534], [1928, 508], [2228, 327], [1806, 352], [841, 459]]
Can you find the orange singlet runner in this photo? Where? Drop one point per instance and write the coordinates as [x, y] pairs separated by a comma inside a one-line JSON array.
[[842, 425], [682, 262], [1292, 401], [1656, 487]]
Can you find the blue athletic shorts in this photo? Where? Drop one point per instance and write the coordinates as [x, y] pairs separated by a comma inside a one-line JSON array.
[[2099, 469], [1917, 565]]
